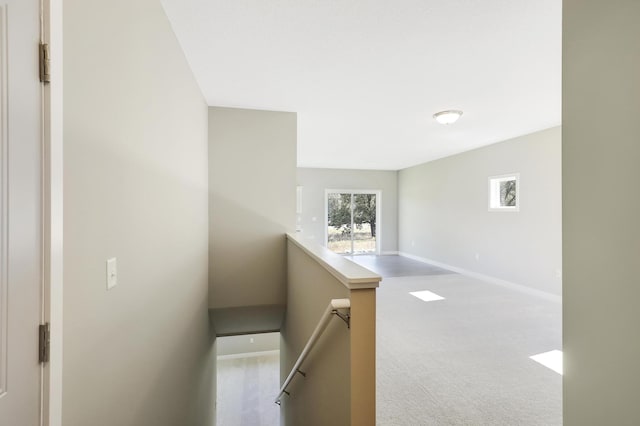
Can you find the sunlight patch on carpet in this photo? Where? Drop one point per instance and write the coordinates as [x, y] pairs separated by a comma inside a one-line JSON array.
[[551, 359], [426, 295]]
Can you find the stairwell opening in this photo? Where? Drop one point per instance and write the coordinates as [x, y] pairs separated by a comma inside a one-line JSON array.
[[248, 379]]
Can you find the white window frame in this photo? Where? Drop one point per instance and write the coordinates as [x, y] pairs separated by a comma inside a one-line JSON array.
[[494, 192]]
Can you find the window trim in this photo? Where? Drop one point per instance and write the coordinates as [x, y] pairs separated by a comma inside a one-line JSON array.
[[493, 183], [378, 193]]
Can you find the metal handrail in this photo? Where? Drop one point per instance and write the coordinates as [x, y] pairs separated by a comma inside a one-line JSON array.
[[332, 309]]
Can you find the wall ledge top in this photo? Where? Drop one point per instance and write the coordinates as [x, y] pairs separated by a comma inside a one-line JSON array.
[[352, 275]]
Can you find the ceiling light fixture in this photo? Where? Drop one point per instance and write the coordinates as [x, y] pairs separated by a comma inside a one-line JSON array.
[[447, 117]]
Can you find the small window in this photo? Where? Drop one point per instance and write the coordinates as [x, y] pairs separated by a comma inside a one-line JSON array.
[[504, 193]]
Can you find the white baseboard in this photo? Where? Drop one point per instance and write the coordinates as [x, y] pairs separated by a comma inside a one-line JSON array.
[[389, 253], [249, 354], [487, 278]]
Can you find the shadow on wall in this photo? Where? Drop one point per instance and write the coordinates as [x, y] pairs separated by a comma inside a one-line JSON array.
[[247, 256], [199, 372]]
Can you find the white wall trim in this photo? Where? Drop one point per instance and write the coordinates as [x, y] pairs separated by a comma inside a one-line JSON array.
[[249, 354], [53, 212], [4, 287], [390, 253], [487, 278]]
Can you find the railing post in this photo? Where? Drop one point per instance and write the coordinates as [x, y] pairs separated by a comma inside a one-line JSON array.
[[363, 357]]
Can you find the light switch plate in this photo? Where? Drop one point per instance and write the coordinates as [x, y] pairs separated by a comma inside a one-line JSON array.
[[112, 273]]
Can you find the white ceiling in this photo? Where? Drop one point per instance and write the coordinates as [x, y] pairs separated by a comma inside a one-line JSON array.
[[366, 76]]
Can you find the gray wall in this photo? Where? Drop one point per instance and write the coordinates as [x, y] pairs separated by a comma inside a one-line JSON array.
[[135, 188], [601, 208], [443, 212], [248, 343], [252, 179], [314, 183]]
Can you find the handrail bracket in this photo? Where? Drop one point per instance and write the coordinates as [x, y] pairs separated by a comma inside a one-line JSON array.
[[346, 317]]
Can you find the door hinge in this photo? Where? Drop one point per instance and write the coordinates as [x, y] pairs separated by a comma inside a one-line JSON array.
[[45, 77], [43, 347]]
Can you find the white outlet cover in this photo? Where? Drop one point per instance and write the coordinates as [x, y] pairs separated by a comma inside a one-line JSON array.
[[112, 273]]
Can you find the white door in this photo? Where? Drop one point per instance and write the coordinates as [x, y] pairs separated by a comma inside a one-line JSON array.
[[20, 213]]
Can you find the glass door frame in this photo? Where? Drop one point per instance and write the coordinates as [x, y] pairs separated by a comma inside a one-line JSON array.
[[377, 193]]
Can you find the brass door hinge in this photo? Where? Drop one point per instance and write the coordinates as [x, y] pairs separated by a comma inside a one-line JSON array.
[[43, 347], [45, 77]]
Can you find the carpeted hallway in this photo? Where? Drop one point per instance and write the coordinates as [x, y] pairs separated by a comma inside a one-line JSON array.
[[463, 360]]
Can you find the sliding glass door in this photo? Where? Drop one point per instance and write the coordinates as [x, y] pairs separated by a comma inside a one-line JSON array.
[[352, 221]]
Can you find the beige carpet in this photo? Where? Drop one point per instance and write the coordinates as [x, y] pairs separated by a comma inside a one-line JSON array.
[[465, 360]]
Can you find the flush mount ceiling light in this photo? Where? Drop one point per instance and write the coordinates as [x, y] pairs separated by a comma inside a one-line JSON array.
[[447, 117]]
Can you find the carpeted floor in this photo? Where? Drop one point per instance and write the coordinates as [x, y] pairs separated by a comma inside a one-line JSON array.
[[463, 360]]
